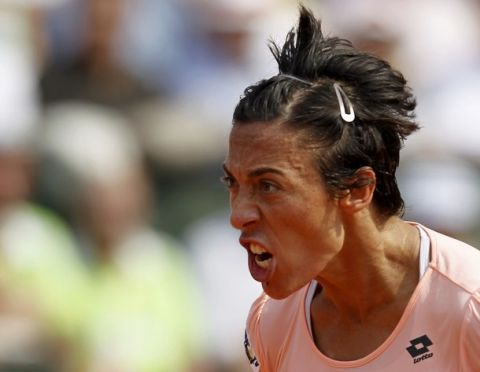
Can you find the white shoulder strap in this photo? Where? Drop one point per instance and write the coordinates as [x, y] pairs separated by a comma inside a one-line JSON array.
[[424, 256], [308, 302]]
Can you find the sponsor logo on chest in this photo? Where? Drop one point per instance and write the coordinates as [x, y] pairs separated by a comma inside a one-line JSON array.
[[419, 349]]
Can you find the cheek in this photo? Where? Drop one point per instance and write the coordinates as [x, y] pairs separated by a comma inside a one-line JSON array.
[[306, 240], [312, 239], [293, 271]]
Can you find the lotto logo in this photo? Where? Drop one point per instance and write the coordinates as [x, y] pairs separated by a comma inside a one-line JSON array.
[[250, 354], [419, 346]]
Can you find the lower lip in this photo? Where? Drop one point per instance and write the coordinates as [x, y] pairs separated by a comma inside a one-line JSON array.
[[258, 273]]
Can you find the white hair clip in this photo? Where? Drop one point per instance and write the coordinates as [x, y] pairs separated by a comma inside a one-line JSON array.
[[342, 98]]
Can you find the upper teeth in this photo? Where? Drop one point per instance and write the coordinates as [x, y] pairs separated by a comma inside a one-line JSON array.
[[256, 249]]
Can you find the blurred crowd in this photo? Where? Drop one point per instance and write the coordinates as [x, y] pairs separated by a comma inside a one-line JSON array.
[[115, 250]]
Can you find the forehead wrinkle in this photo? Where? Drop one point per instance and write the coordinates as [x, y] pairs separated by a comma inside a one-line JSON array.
[[269, 146]]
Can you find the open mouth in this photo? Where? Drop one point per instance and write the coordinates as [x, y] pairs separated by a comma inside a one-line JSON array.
[[261, 256]]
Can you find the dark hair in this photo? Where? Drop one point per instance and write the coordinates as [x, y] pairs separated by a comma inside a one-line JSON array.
[[303, 97]]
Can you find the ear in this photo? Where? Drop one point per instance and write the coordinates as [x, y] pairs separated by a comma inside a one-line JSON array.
[[360, 192]]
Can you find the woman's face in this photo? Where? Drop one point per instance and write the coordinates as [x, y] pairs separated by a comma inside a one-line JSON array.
[[290, 224]]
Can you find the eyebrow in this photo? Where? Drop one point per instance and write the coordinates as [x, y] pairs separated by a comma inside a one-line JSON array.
[[264, 170], [258, 171]]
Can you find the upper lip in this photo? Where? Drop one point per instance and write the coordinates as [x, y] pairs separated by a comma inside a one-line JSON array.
[[246, 242]]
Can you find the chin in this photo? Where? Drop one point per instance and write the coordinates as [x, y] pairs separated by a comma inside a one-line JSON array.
[[278, 292]]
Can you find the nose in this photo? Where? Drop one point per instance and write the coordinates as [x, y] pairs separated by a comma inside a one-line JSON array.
[[244, 211]]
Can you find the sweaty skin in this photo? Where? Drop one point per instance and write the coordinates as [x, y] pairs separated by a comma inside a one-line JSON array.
[[278, 201], [366, 265]]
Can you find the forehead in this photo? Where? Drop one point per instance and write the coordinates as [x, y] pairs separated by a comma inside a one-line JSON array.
[[265, 134], [267, 144]]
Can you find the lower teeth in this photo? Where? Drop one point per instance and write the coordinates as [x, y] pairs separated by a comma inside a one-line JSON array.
[[262, 263]]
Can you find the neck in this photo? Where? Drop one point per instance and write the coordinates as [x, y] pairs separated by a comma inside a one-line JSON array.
[[377, 267]]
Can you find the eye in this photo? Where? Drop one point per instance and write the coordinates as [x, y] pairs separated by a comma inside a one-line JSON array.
[[267, 187], [227, 181]]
